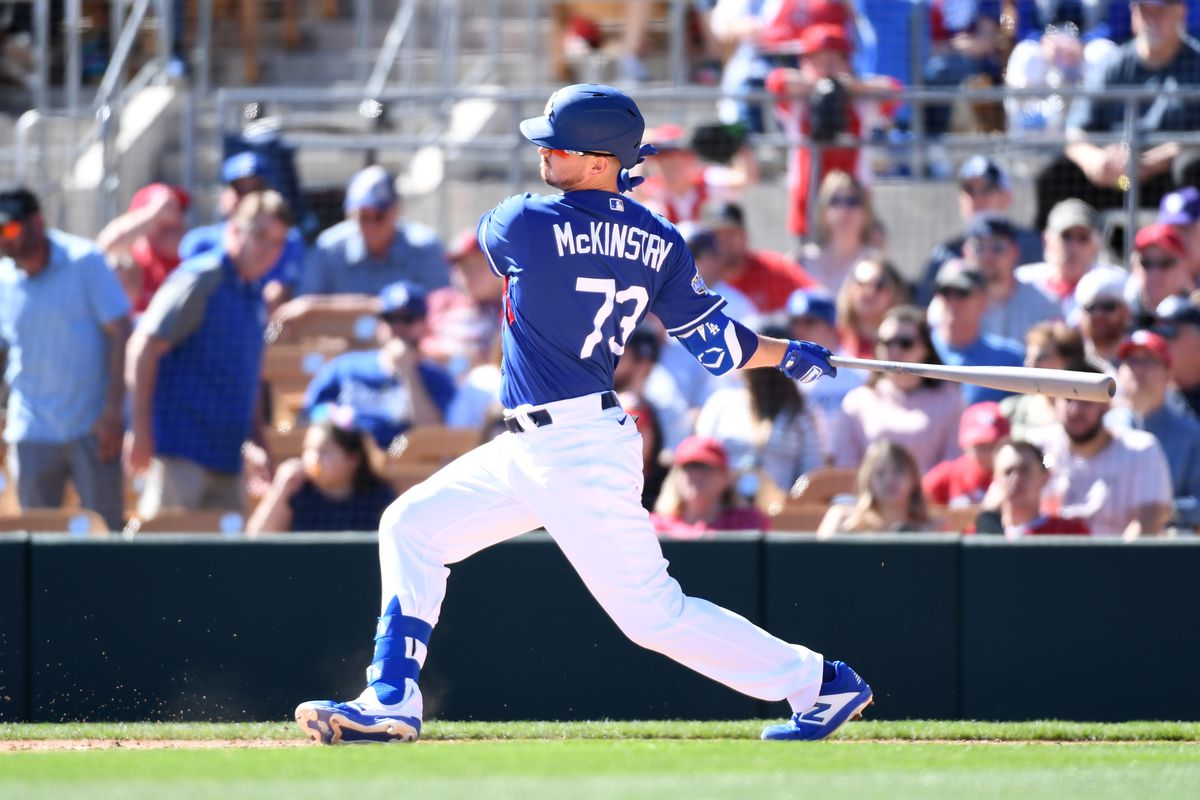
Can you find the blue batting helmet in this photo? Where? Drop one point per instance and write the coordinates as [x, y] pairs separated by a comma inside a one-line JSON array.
[[589, 117]]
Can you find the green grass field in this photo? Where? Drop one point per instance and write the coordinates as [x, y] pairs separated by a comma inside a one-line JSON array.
[[894, 760]]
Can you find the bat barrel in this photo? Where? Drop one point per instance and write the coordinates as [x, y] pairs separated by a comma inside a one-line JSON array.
[[1021, 380]]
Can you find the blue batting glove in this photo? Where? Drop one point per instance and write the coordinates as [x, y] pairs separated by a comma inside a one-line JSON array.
[[627, 182], [806, 361]]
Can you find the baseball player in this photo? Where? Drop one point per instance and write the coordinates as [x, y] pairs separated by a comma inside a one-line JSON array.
[[581, 269]]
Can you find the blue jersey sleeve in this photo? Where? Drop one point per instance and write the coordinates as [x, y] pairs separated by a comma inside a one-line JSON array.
[[684, 301], [501, 234]]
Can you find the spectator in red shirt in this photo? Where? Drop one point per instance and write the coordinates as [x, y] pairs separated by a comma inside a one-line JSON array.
[[766, 277], [965, 480], [1019, 476], [806, 110], [464, 317], [698, 495], [143, 243]]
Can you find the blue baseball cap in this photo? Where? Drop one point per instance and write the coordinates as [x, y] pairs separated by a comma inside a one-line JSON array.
[[1180, 207], [981, 166], [371, 187], [246, 164], [812, 303], [403, 296]]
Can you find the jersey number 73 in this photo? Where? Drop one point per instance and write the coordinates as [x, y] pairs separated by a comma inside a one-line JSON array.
[[612, 298]]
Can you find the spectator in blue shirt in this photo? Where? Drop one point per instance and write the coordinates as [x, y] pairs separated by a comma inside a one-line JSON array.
[[393, 388], [64, 320], [242, 174], [1144, 377], [195, 362], [373, 247], [962, 290]]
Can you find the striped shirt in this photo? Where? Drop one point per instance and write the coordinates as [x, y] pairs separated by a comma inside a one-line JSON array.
[[1107, 488], [792, 448], [924, 421]]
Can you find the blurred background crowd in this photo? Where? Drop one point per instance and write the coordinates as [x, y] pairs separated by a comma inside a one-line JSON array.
[[283, 331]]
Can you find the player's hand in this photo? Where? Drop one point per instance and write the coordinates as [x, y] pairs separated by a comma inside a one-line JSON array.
[[627, 182], [806, 361]]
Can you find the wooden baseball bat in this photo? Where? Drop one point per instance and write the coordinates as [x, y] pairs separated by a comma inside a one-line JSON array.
[[1022, 380]]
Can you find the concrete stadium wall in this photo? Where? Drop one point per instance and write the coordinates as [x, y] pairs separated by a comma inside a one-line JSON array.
[[206, 628]]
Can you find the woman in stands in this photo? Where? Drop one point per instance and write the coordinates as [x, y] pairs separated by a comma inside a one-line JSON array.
[[889, 497], [698, 495], [921, 414], [331, 487], [845, 223], [875, 287]]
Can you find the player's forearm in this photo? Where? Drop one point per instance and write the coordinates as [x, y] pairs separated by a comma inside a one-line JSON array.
[[769, 353]]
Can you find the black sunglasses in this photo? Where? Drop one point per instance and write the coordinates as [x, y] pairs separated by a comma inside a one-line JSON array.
[[1103, 306], [845, 201], [953, 293], [1159, 263], [901, 342]]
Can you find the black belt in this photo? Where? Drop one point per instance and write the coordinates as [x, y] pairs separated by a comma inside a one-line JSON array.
[[541, 418]]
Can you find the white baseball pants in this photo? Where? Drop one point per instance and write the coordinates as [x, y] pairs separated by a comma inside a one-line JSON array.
[[581, 478]]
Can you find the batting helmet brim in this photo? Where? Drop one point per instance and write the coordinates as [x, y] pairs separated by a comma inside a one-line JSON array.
[[539, 130]]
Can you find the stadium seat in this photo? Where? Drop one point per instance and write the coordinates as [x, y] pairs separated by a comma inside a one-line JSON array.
[[822, 485], [75, 521], [422, 451], [178, 520], [798, 518], [955, 519]]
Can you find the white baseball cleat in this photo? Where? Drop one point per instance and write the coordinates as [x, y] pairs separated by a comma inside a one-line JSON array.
[[358, 721]]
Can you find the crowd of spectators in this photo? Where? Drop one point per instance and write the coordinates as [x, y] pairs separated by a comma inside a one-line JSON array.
[[168, 327]]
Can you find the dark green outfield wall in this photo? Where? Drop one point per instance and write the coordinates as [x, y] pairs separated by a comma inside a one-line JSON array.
[[204, 628]]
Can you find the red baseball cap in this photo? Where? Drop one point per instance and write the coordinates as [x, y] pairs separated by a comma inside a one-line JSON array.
[[1161, 235], [465, 243], [825, 37], [667, 137], [701, 450], [150, 192], [1146, 340], [982, 423]]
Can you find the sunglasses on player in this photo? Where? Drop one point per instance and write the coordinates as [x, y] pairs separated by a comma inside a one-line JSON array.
[[580, 152]]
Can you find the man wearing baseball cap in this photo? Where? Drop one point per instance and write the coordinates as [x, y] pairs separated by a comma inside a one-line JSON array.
[[983, 188], [1143, 379], [1160, 269], [1181, 210], [464, 317], [395, 387], [1014, 305], [825, 50], [64, 321], [354, 260], [1102, 312], [1072, 244], [1179, 323], [1161, 54], [957, 332], [241, 174], [143, 243], [965, 480]]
